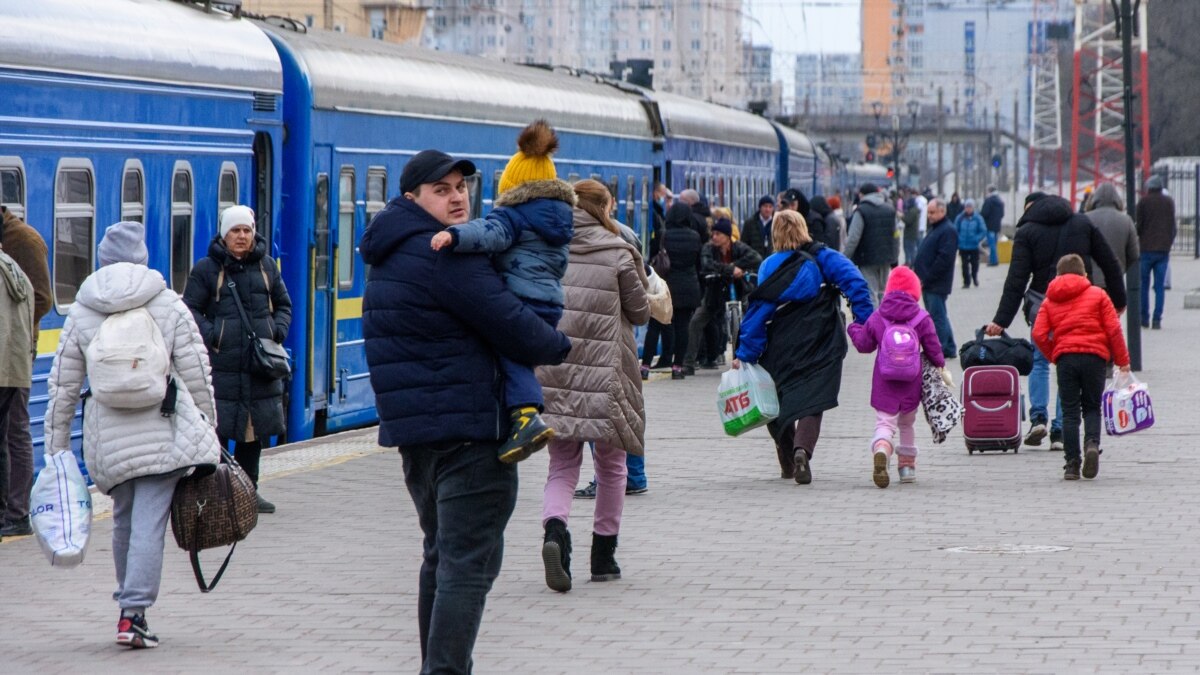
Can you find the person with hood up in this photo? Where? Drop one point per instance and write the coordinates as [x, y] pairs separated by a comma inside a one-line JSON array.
[[249, 406], [527, 233], [871, 241], [17, 349], [682, 243], [971, 232], [596, 394], [803, 350], [1106, 210], [135, 456], [898, 329], [1047, 231], [1078, 328]]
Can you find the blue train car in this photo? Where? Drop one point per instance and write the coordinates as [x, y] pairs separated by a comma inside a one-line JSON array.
[[729, 155], [798, 166], [151, 111], [356, 110]]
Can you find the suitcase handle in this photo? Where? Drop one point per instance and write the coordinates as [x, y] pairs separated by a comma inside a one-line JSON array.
[[1007, 405]]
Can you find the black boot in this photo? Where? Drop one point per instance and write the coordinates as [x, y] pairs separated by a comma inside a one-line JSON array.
[[556, 555], [604, 566]]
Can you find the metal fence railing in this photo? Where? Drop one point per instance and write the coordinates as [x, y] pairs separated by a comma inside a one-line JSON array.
[[1183, 184]]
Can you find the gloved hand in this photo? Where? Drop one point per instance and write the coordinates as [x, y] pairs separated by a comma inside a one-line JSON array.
[[947, 378]]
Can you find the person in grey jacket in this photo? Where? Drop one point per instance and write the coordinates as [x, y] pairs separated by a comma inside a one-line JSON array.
[[134, 456], [1106, 210], [871, 242]]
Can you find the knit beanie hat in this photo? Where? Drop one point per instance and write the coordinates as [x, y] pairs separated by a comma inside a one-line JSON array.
[[532, 161], [904, 279], [234, 216], [723, 226], [124, 242]]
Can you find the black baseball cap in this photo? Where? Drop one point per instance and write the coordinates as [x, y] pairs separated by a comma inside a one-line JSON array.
[[428, 166]]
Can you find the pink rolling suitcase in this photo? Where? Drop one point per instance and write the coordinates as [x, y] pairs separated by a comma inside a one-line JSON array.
[[991, 396]]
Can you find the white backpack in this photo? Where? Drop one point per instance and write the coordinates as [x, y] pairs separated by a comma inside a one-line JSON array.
[[128, 362]]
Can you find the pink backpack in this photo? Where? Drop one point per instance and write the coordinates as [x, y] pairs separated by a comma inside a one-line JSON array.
[[899, 352]]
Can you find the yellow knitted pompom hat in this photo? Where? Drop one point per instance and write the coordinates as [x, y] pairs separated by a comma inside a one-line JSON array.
[[532, 161]]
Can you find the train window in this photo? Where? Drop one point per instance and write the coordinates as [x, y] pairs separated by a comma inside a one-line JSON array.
[[376, 191], [182, 231], [345, 240], [133, 192], [573, 178], [597, 177], [475, 194], [12, 185], [645, 205], [630, 204], [227, 187], [321, 233], [496, 184], [74, 228]]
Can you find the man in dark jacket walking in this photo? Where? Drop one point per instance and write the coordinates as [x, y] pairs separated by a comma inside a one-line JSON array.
[[871, 241], [1156, 234], [993, 213], [756, 230], [935, 269], [28, 249], [435, 327], [723, 262], [1046, 232]]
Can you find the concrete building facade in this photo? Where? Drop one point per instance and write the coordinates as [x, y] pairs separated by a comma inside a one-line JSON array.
[[694, 46], [390, 20], [829, 84]]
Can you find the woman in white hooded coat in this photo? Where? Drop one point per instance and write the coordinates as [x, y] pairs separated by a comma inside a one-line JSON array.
[[135, 456]]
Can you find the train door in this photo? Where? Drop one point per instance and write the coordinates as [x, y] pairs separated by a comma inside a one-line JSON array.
[[320, 301], [263, 197]]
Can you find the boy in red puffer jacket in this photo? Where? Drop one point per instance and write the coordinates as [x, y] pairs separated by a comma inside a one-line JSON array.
[[1077, 328]]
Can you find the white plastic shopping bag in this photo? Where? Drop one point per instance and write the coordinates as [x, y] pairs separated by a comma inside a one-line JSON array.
[[61, 509], [1126, 405], [746, 399]]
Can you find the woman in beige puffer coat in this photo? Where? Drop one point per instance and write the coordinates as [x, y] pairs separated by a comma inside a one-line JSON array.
[[135, 456], [596, 395]]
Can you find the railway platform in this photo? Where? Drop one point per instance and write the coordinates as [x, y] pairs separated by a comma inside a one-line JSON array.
[[988, 563]]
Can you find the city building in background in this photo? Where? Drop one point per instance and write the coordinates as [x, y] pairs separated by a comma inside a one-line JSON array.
[[829, 84], [764, 94], [390, 20], [688, 47]]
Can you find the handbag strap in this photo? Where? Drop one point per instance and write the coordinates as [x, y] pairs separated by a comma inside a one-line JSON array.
[[267, 285], [205, 587], [242, 310]]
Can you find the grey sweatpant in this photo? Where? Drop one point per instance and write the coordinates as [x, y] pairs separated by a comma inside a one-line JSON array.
[[876, 276], [140, 510]]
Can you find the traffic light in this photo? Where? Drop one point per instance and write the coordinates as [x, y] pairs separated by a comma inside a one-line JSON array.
[[891, 172], [997, 160]]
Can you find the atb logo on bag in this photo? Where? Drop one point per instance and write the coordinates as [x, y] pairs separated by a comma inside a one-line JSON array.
[[900, 353], [737, 403]]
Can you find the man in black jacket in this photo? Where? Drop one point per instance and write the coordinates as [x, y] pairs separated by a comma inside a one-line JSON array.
[[1039, 243], [1156, 233], [723, 263], [871, 241], [993, 214], [935, 268], [435, 326], [756, 230]]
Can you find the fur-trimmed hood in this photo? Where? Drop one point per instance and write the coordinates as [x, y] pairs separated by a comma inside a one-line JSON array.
[[538, 189]]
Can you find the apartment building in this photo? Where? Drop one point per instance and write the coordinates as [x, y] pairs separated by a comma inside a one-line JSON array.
[[390, 20]]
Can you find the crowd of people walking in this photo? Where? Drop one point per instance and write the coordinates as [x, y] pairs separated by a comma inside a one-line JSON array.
[[491, 339]]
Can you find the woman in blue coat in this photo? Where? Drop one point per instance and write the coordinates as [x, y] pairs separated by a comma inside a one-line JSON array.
[[972, 230], [795, 329]]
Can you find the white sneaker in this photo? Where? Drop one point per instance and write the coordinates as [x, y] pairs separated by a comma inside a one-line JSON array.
[[908, 474]]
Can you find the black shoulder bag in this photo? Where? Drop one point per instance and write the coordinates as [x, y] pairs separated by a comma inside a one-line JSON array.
[[268, 358]]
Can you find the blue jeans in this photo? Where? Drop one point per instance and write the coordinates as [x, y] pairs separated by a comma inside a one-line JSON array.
[[992, 237], [1039, 393], [464, 498], [935, 304], [521, 386], [1153, 261], [636, 468], [910, 250]]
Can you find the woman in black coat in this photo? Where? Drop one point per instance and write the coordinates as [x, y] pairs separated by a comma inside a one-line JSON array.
[[249, 407], [682, 243]]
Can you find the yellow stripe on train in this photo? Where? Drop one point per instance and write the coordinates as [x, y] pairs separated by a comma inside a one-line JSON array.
[[48, 341]]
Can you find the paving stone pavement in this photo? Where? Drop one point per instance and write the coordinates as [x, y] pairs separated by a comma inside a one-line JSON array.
[[728, 569]]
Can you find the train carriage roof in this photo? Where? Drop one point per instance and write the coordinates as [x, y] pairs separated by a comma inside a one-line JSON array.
[[798, 142], [149, 40], [697, 120], [351, 73]]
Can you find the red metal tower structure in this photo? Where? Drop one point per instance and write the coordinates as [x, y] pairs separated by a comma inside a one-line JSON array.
[[1097, 89]]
